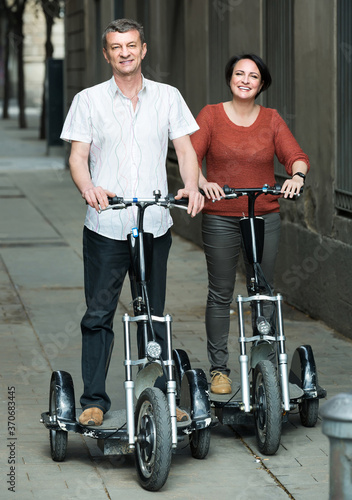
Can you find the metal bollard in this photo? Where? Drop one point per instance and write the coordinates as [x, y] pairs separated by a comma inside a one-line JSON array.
[[337, 426]]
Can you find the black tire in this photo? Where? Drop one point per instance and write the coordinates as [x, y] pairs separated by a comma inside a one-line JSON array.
[[267, 407], [154, 442], [199, 442], [58, 438], [308, 411]]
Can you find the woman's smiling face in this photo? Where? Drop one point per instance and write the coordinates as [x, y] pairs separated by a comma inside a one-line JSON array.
[[246, 80]]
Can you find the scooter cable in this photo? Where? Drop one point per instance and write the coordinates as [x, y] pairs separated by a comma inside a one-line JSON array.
[[229, 400]]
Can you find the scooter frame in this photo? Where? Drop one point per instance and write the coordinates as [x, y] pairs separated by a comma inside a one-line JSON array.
[[149, 428], [273, 392]]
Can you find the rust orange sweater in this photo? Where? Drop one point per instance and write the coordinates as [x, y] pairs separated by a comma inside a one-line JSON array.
[[243, 157]]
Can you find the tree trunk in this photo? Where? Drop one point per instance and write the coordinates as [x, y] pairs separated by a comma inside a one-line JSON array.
[[5, 108], [49, 50], [21, 92], [14, 14]]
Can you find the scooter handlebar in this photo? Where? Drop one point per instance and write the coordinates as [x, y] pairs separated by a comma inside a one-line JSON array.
[[266, 189], [119, 203]]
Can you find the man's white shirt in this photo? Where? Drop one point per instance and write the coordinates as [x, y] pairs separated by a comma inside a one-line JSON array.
[[128, 148]]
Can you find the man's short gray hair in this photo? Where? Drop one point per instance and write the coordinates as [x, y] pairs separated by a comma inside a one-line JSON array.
[[122, 26]]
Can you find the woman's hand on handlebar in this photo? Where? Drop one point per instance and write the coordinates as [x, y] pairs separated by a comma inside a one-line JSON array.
[[212, 190], [292, 187], [195, 200], [97, 197]]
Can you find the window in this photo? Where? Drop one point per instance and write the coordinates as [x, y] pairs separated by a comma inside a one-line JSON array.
[[119, 11], [279, 56], [343, 199], [218, 50]]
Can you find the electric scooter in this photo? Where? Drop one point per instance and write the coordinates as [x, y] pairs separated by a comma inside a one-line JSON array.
[[148, 426], [268, 392]]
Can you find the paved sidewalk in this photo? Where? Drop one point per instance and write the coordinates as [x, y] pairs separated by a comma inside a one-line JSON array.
[[41, 304]]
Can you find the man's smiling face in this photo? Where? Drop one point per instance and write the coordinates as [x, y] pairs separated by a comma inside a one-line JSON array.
[[124, 52]]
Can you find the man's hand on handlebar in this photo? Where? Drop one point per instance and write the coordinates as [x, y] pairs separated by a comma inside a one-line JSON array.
[[196, 200], [97, 197], [292, 187]]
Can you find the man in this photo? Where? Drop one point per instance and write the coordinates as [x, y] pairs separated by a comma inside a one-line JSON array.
[[119, 132]]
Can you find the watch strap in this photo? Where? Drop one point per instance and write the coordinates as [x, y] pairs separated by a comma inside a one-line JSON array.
[[301, 175]]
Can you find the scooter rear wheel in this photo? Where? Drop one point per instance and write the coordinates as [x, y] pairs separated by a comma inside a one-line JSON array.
[[154, 442], [58, 438], [267, 407], [308, 411], [199, 442]]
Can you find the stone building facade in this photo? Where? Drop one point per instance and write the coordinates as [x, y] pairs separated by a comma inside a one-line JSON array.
[[308, 48]]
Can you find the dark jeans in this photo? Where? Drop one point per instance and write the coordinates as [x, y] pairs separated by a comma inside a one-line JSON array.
[[222, 242], [106, 263]]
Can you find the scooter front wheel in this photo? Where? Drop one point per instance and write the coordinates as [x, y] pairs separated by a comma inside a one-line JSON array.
[[267, 407], [199, 442], [308, 411], [58, 438], [154, 441]]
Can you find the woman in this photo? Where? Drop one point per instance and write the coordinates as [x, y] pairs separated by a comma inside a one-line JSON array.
[[239, 139]]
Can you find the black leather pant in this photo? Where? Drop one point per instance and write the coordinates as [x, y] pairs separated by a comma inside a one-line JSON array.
[[222, 242]]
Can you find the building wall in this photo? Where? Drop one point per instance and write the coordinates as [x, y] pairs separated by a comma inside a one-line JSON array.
[[316, 246], [76, 53], [189, 42]]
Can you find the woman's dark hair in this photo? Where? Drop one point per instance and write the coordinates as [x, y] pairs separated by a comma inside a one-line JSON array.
[[263, 69]]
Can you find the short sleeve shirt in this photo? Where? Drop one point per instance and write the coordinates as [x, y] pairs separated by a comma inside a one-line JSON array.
[[128, 148]]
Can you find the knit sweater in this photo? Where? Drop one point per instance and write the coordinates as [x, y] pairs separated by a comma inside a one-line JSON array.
[[243, 157]]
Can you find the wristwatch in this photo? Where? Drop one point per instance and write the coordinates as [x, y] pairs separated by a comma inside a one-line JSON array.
[[301, 175]]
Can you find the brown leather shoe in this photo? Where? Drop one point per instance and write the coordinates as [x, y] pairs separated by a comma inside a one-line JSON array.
[[181, 416], [91, 416], [220, 383]]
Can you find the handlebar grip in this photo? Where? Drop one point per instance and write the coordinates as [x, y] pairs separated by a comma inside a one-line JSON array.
[[295, 196], [277, 187], [115, 200], [182, 201], [173, 201], [227, 189]]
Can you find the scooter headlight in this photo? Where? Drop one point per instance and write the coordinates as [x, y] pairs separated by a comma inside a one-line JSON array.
[[263, 325], [153, 350]]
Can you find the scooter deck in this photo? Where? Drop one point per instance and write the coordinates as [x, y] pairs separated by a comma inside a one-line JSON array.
[[109, 442], [228, 407], [234, 398], [112, 420], [117, 419], [112, 445]]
